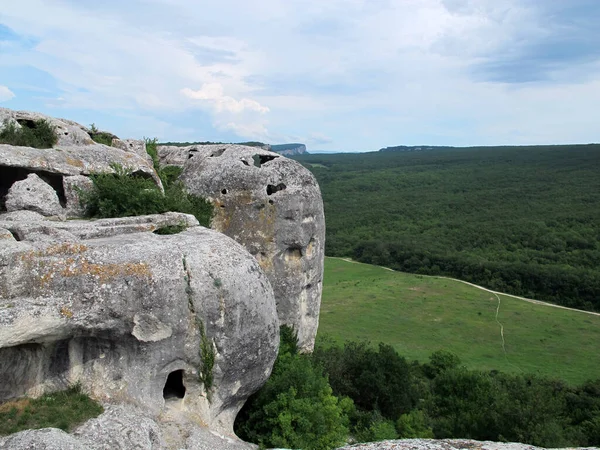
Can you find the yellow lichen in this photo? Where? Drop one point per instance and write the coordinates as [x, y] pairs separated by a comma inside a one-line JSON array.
[[66, 312], [74, 162]]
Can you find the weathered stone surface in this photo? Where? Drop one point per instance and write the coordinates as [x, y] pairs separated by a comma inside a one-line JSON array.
[[30, 226], [44, 439], [126, 313], [173, 155], [444, 444], [72, 187], [271, 205], [67, 131], [133, 145], [125, 427], [73, 160], [33, 194]]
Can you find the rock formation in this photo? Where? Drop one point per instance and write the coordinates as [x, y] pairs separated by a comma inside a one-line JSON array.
[[133, 316], [272, 205], [167, 331]]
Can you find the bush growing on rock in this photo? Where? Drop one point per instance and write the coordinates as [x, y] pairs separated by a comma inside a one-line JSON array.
[[295, 408], [37, 134], [123, 194]]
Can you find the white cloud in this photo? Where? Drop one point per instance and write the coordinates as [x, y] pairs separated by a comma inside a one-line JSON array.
[[363, 72], [5, 94], [249, 130], [214, 95]]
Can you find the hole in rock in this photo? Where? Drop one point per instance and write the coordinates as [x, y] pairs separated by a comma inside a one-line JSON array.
[[246, 163], [8, 175], [174, 387], [27, 123], [192, 152], [15, 235], [293, 254], [271, 188], [259, 160], [223, 191], [217, 153], [271, 202]]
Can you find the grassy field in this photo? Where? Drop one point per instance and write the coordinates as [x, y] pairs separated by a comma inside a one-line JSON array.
[[418, 315]]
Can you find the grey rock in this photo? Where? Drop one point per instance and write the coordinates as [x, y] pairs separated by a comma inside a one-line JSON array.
[[73, 186], [124, 427], [6, 234], [173, 155], [271, 205], [121, 427], [44, 439], [74, 160], [33, 194], [33, 227], [125, 316], [67, 131], [137, 146]]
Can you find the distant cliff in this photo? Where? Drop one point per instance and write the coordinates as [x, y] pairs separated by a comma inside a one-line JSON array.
[[414, 148], [289, 149]]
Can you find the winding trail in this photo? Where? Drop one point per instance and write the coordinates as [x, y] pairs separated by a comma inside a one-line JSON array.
[[496, 293]]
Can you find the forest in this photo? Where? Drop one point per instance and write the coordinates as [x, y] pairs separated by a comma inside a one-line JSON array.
[[358, 393], [521, 220]]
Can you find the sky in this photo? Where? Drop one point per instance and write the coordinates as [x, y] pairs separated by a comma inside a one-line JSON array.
[[337, 75]]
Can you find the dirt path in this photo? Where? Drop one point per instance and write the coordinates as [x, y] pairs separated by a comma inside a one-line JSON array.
[[530, 300]]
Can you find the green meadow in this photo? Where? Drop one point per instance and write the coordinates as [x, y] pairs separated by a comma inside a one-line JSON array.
[[419, 315]]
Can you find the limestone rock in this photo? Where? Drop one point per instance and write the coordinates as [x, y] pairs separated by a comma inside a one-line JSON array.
[[174, 155], [67, 131], [135, 318], [125, 427], [33, 194], [271, 205], [73, 186], [137, 146]]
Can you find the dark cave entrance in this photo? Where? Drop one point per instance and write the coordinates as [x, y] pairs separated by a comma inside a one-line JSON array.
[[174, 387], [9, 175]]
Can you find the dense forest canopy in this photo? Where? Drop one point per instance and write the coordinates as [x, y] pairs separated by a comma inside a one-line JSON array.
[[524, 220]]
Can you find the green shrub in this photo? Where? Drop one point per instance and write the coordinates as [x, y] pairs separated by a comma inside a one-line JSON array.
[[171, 229], [101, 137], [152, 150], [37, 134], [375, 379], [414, 425], [295, 408], [122, 194], [378, 429], [169, 174], [63, 409]]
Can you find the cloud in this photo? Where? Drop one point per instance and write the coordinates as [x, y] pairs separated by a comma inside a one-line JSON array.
[[364, 73], [213, 94], [5, 94]]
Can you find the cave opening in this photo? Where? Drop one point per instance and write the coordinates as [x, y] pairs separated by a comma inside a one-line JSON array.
[[174, 387], [10, 175]]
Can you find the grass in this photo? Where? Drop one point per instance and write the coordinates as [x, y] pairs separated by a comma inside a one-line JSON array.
[[63, 409], [37, 134], [418, 315]]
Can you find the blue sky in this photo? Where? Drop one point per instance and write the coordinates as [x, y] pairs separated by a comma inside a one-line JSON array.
[[337, 75]]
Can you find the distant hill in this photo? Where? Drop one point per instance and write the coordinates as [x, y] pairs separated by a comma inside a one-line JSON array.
[[289, 149], [414, 148]]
